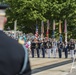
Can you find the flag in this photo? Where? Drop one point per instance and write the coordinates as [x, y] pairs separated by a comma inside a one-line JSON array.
[[15, 28], [65, 30], [47, 33], [60, 30], [53, 24], [36, 33], [42, 29], [60, 38], [65, 27], [53, 33]]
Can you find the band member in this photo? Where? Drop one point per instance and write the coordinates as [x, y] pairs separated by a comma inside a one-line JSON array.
[[45, 45], [54, 47], [72, 47], [32, 48], [43, 49], [49, 46], [66, 50], [75, 48], [60, 49], [37, 48]]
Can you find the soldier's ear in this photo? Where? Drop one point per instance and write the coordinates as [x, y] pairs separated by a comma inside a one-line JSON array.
[[5, 20]]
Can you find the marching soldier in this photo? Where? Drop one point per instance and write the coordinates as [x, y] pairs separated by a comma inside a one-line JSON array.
[[54, 47], [32, 48], [45, 45], [49, 46], [72, 47], [13, 56], [66, 50], [60, 48], [37, 48], [43, 49]]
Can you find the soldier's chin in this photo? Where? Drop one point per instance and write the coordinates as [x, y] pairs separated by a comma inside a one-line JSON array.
[[5, 20]]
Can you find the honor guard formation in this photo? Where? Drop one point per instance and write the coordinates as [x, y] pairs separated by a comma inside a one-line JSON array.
[[52, 47]]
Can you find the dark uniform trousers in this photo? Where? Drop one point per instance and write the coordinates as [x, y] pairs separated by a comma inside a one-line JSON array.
[[38, 50], [32, 49], [60, 49], [66, 52], [11, 56], [38, 55], [60, 52], [43, 52], [43, 49]]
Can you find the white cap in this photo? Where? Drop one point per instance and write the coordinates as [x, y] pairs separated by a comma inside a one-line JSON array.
[[2, 12], [2, 9]]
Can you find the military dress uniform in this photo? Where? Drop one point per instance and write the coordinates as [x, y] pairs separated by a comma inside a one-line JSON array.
[[45, 46], [54, 47], [37, 48], [72, 47], [60, 48], [13, 56], [43, 49], [66, 50], [49, 46], [39, 45], [32, 48]]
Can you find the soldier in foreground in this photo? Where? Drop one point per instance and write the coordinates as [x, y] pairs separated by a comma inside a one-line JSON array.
[[13, 56]]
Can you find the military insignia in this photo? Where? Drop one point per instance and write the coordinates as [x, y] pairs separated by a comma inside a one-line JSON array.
[[21, 42]]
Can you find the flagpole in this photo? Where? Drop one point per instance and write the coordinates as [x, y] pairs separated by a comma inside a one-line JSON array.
[[65, 31], [66, 37], [60, 31], [42, 30], [36, 32], [47, 33], [53, 35], [15, 27]]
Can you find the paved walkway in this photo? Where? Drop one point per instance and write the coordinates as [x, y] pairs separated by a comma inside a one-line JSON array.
[[58, 70], [73, 72], [40, 62]]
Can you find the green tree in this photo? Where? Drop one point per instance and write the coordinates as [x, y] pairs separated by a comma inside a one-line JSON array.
[[28, 12]]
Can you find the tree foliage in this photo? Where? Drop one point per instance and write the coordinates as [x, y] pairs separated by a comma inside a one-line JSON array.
[[28, 12]]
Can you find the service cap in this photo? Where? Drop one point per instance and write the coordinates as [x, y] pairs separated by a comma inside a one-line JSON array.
[[2, 9]]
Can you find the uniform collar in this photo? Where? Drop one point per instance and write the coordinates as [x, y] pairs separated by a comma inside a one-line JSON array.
[[1, 29]]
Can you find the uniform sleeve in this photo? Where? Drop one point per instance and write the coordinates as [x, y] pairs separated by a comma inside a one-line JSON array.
[[28, 69], [74, 46]]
